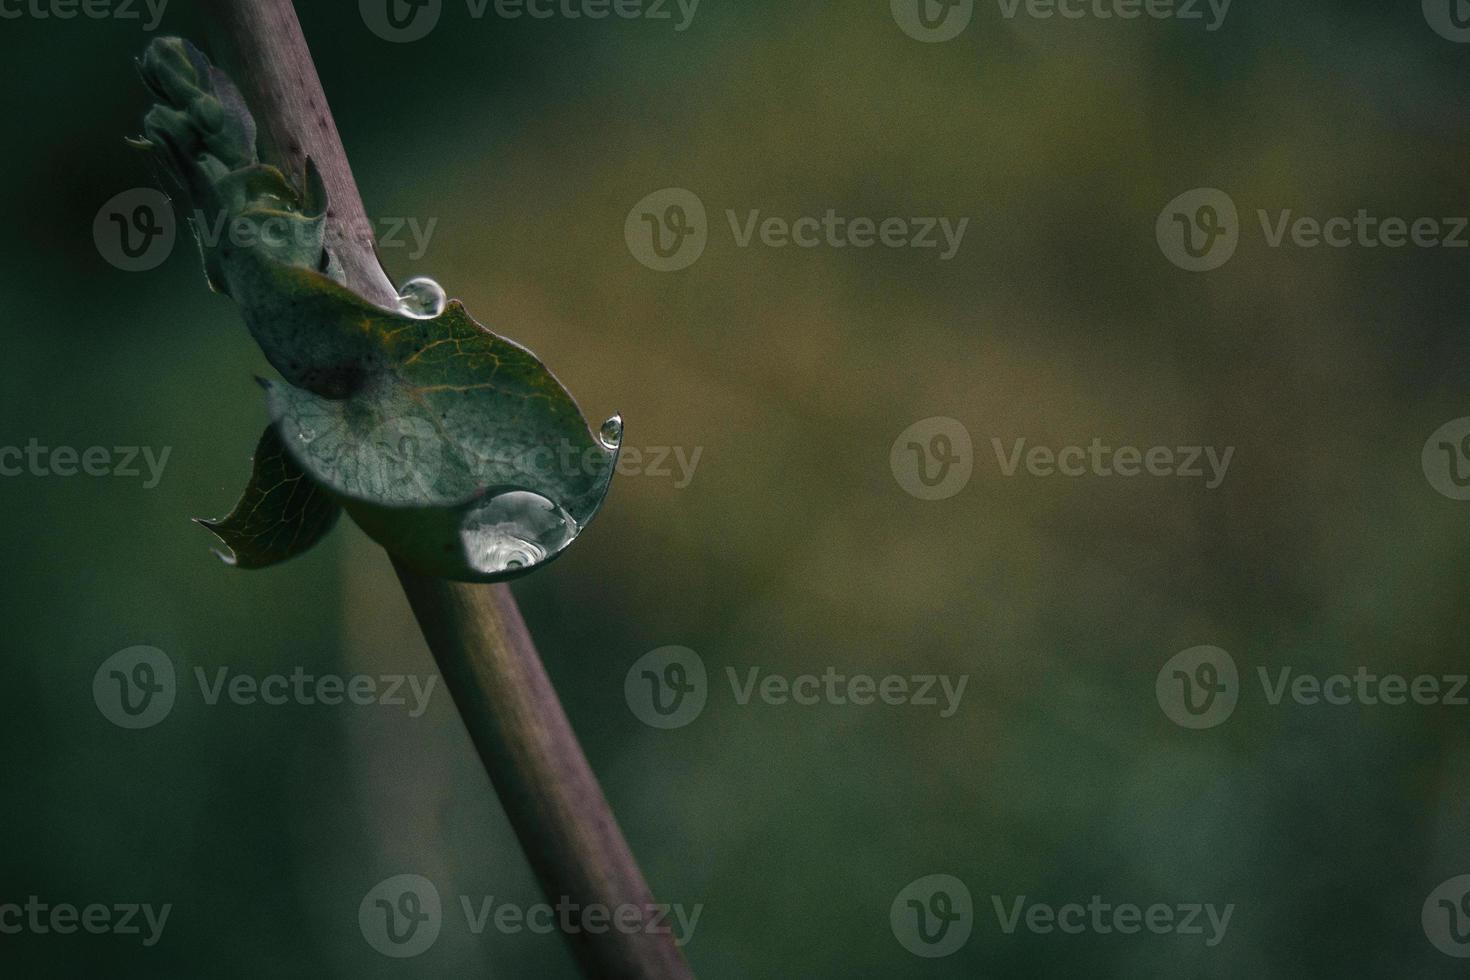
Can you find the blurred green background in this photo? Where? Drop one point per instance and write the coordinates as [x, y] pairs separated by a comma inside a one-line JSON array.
[[793, 548]]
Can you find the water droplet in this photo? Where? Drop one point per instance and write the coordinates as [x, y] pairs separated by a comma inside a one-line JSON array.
[[513, 530], [306, 433], [611, 433], [422, 298]]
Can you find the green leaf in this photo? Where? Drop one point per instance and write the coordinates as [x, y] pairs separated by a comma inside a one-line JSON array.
[[281, 515], [455, 449]]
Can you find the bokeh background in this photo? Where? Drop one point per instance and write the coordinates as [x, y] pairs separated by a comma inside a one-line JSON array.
[[794, 548]]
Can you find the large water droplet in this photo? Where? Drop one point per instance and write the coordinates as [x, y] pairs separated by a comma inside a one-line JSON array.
[[513, 530], [422, 298], [611, 433]]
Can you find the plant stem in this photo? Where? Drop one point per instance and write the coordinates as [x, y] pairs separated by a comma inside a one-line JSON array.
[[476, 633], [563, 821], [260, 43]]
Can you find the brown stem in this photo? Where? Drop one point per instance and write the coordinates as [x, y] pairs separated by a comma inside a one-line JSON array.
[[515, 720], [476, 633], [260, 43]]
